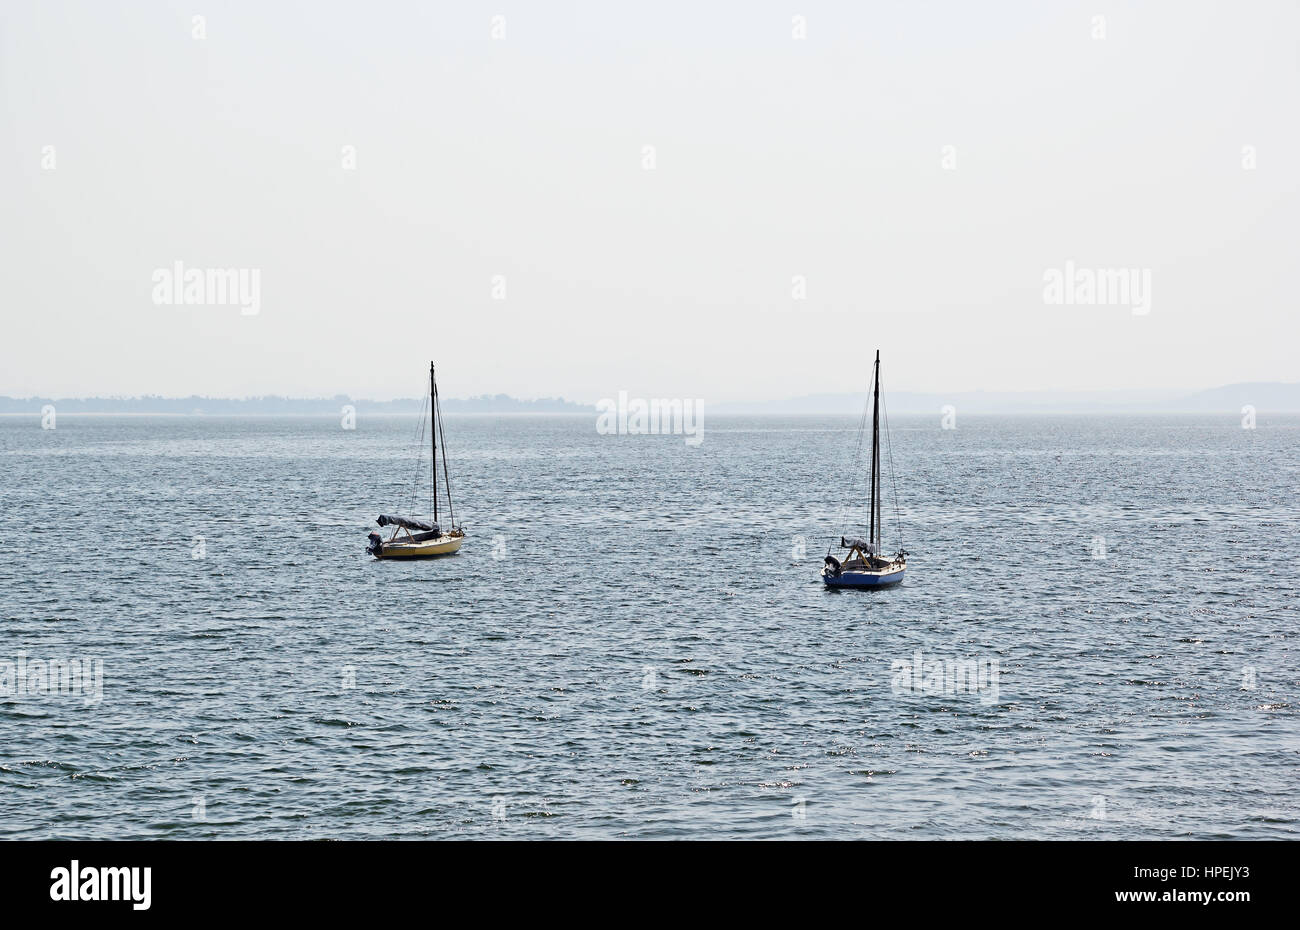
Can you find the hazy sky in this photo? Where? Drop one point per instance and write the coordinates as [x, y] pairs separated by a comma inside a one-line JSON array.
[[524, 157]]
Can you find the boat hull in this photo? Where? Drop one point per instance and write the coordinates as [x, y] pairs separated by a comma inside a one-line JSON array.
[[864, 579], [424, 549]]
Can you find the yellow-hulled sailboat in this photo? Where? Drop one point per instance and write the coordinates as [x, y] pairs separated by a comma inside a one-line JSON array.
[[423, 539]]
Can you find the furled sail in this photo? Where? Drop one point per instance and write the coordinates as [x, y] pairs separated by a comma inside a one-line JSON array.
[[853, 542], [407, 522]]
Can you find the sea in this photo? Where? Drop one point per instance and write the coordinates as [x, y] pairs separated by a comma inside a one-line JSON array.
[[1096, 636]]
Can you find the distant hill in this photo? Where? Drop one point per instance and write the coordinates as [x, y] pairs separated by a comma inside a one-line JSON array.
[[1262, 395], [1274, 396], [285, 406]]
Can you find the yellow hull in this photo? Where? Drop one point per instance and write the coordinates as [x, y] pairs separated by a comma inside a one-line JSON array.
[[426, 549]]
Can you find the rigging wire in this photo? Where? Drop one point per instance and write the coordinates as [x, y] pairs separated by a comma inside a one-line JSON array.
[[446, 472], [419, 457], [893, 479], [435, 418], [857, 463]]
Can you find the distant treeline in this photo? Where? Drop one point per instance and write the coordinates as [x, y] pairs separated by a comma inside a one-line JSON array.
[[499, 403]]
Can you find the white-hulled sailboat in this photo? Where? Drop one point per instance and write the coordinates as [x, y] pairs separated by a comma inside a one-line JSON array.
[[866, 565], [428, 539]]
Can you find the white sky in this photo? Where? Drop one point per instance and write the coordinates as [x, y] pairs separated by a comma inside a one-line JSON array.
[[523, 157]]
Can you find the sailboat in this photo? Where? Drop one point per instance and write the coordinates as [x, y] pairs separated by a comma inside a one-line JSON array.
[[422, 539], [866, 565]]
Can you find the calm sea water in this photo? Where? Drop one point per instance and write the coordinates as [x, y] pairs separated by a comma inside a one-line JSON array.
[[635, 643]]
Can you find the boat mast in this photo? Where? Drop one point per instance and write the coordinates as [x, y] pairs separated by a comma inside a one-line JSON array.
[[446, 474], [874, 529], [433, 437]]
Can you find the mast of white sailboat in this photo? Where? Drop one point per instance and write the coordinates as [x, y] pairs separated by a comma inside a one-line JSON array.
[[873, 530], [433, 437]]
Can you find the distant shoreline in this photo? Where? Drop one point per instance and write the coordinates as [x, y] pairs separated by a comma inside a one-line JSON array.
[[291, 413], [1236, 399]]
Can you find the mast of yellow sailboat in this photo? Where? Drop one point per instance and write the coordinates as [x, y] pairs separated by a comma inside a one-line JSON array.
[[433, 438]]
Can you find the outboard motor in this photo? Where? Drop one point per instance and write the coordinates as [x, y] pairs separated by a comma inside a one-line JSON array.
[[832, 566], [375, 544]]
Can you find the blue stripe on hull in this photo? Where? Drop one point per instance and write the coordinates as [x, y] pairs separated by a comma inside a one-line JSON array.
[[862, 580]]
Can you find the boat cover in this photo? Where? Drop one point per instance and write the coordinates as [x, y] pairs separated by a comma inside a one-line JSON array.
[[385, 520], [852, 542]]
